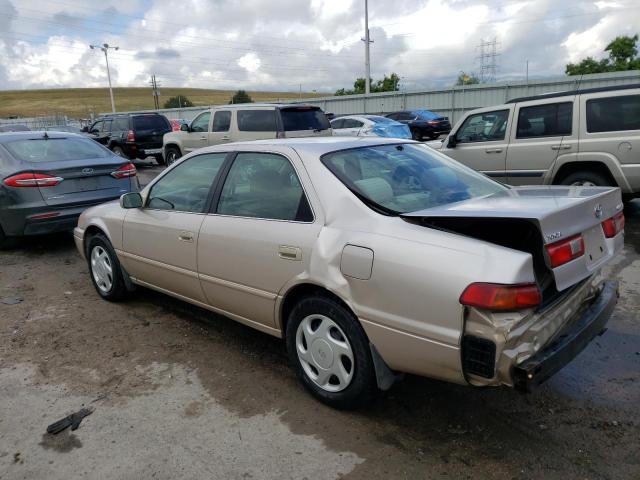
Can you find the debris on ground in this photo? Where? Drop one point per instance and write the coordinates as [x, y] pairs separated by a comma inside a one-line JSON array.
[[11, 300], [72, 421]]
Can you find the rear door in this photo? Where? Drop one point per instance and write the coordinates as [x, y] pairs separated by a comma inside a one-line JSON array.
[[149, 130], [537, 139], [303, 121], [481, 142], [85, 170], [220, 127]]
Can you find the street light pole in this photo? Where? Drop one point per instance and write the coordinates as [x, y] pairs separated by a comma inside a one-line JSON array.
[[367, 41], [105, 48]]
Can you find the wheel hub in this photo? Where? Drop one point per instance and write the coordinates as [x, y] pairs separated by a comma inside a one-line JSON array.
[[322, 353]]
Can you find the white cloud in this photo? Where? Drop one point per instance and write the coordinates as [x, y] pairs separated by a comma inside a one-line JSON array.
[[250, 62]]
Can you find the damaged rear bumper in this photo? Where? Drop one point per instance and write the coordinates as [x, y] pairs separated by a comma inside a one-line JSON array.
[[568, 343]]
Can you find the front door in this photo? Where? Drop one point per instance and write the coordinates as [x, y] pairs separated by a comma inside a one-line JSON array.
[[257, 239], [537, 139], [481, 143], [198, 134], [160, 240]]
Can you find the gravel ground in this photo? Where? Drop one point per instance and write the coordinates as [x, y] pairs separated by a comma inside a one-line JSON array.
[[179, 392]]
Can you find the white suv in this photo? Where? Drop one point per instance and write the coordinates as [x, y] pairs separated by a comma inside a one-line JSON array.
[[582, 137], [233, 123]]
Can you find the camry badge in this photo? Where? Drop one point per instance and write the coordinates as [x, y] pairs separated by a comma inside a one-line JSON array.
[[597, 211], [87, 171]]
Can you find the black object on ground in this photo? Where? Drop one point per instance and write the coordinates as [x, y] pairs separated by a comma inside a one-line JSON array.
[[72, 421]]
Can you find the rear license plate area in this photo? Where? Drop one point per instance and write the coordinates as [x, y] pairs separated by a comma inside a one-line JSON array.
[[594, 244]]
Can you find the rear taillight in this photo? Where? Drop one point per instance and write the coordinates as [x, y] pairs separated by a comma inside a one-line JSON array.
[[613, 226], [433, 122], [131, 137], [565, 250], [128, 170], [32, 180], [495, 296]]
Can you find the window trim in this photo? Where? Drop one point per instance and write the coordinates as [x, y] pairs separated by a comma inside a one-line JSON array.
[[207, 205], [556, 104], [224, 173], [503, 139]]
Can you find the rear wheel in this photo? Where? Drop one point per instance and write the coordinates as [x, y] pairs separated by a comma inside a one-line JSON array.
[[104, 267], [330, 353], [118, 150], [586, 178], [416, 135], [172, 154]]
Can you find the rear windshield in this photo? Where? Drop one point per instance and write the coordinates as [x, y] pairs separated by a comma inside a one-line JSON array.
[[257, 120], [55, 149], [404, 178], [303, 118], [151, 122]]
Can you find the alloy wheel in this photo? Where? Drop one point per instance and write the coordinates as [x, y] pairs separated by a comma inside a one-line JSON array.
[[101, 269]]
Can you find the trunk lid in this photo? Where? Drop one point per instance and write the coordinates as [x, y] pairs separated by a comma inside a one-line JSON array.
[[556, 212]]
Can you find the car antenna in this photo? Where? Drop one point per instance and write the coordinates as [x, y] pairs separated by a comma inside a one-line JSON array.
[[45, 136]]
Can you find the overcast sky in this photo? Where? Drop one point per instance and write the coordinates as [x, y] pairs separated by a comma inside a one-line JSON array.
[[280, 44]]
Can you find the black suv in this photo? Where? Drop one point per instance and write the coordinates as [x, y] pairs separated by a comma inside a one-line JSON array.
[[422, 123], [135, 135]]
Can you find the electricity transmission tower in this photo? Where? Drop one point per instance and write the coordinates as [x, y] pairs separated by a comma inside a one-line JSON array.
[[488, 59]]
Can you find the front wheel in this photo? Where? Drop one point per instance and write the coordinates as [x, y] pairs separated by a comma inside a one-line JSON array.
[[330, 353], [105, 270], [586, 179], [172, 154]]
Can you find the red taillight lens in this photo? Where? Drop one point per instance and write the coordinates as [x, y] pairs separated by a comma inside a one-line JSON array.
[[433, 122], [128, 170], [565, 250], [495, 296], [131, 137], [614, 225], [32, 180]]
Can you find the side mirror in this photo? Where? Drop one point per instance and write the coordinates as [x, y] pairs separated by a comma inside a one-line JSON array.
[[184, 127], [452, 142], [85, 129], [131, 200]]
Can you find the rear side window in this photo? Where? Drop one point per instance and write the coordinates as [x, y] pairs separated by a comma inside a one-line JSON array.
[[303, 118], [221, 122], [551, 120], [613, 114], [257, 120], [337, 124], [56, 149], [427, 115], [151, 122]]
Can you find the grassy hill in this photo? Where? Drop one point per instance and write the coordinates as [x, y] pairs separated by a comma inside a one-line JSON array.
[[81, 102]]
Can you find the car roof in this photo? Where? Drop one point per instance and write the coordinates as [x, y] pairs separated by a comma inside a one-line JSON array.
[[311, 145], [35, 135], [610, 88]]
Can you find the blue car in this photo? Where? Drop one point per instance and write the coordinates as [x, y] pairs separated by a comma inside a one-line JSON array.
[[369, 126], [422, 123]]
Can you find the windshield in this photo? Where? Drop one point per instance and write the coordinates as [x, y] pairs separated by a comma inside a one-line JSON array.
[[407, 177], [55, 149]]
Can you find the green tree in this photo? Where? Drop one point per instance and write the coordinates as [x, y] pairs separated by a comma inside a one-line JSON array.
[[179, 101], [467, 79], [623, 55], [389, 83], [241, 97]]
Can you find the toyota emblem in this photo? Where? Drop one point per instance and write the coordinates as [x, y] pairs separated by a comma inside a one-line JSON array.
[[598, 211]]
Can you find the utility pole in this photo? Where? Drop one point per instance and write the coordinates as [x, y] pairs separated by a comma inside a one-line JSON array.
[[105, 48], [156, 92], [367, 59], [527, 74]]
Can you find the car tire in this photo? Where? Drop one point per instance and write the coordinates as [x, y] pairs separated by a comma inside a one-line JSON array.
[[6, 242], [104, 269], [416, 135], [172, 154], [587, 178], [160, 160], [119, 151], [321, 329]]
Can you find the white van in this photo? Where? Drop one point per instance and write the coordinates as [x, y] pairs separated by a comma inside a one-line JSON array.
[[241, 122], [582, 137]]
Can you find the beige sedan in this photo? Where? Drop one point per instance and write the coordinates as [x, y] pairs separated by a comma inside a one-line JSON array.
[[370, 257]]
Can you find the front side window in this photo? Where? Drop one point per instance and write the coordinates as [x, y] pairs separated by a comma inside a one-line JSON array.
[[551, 120], [404, 178], [186, 187], [483, 127], [56, 149], [201, 123], [264, 185], [96, 128], [613, 114], [257, 120], [221, 121]]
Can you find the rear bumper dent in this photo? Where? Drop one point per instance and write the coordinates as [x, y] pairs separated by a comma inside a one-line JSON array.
[[568, 343]]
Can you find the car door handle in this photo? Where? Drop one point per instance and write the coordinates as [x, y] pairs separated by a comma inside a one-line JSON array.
[[226, 137], [493, 150], [560, 147], [203, 137], [185, 237], [290, 253]]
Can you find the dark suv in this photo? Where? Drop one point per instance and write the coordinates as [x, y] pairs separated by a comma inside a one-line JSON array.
[[132, 136], [422, 123]]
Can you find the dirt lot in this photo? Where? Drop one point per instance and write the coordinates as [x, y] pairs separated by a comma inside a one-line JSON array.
[[181, 393]]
